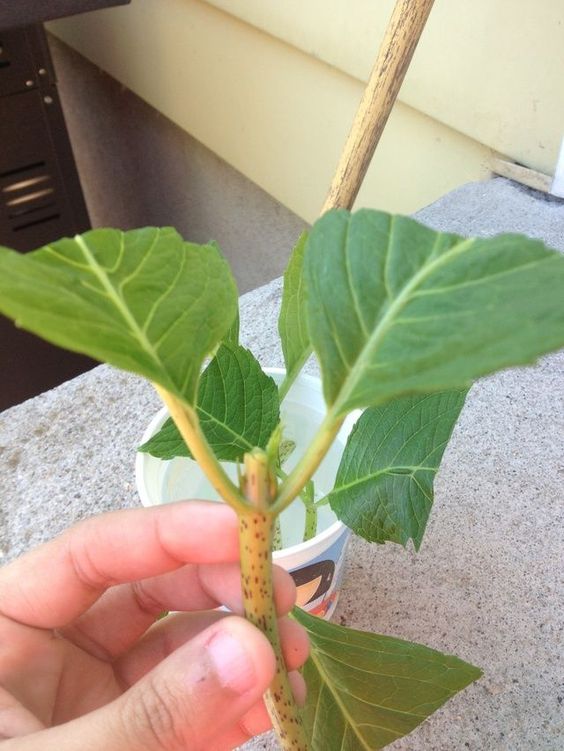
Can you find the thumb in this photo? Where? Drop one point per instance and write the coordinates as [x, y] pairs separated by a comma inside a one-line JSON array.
[[193, 696], [199, 691]]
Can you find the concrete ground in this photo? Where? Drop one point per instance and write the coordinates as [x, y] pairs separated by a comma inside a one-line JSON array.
[[487, 584]]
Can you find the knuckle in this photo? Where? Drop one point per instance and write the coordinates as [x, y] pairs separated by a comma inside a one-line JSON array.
[[144, 599], [81, 560]]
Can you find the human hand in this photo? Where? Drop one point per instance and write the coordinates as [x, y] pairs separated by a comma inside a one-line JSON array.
[[83, 663]]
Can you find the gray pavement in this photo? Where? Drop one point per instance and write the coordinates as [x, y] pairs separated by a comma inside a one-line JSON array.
[[487, 584]]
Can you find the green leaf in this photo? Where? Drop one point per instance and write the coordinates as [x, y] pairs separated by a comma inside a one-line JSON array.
[[167, 443], [365, 691], [143, 300], [384, 485], [292, 322], [396, 308], [238, 409]]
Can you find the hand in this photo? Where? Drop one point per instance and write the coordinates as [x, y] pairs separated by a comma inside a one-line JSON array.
[[83, 663]]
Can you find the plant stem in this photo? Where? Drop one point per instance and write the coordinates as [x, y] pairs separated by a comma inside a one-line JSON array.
[[310, 461], [188, 424], [307, 496], [310, 522], [277, 542], [290, 377], [255, 535]]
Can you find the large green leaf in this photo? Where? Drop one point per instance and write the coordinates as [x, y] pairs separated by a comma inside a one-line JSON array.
[[365, 691], [237, 406], [394, 307], [384, 485], [292, 322], [143, 300]]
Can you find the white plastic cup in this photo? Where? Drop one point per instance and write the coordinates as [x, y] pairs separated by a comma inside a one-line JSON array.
[[315, 565]]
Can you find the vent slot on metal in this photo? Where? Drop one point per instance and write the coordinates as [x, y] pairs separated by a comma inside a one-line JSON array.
[[4, 63], [29, 196]]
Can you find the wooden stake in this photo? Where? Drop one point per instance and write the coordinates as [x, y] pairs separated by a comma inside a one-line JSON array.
[[402, 35]]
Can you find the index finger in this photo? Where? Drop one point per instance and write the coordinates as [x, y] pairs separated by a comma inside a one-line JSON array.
[[54, 584]]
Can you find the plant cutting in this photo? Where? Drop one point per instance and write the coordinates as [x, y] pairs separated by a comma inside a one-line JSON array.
[[401, 320], [302, 410], [308, 541]]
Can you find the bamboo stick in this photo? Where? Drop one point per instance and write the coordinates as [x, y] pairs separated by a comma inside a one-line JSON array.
[[402, 35]]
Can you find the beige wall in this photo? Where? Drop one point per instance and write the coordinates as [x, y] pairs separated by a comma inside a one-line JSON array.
[[138, 169], [271, 87], [491, 69]]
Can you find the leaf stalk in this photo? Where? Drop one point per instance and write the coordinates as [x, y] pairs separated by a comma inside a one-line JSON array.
[[302, 473], [291, 375], [307, 496], [188, 424], [310, 522]]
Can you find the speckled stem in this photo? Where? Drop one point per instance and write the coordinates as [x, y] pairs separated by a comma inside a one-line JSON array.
[[255, 535], [277, 542], [308, 497], [310, 529]]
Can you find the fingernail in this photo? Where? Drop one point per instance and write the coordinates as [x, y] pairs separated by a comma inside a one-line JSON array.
[[233, 664]]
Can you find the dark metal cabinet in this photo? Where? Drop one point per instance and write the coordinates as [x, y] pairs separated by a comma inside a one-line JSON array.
[[26, 12], [40, 193]]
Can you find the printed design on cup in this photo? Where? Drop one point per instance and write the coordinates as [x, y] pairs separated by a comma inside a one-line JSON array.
[[319, 581]]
